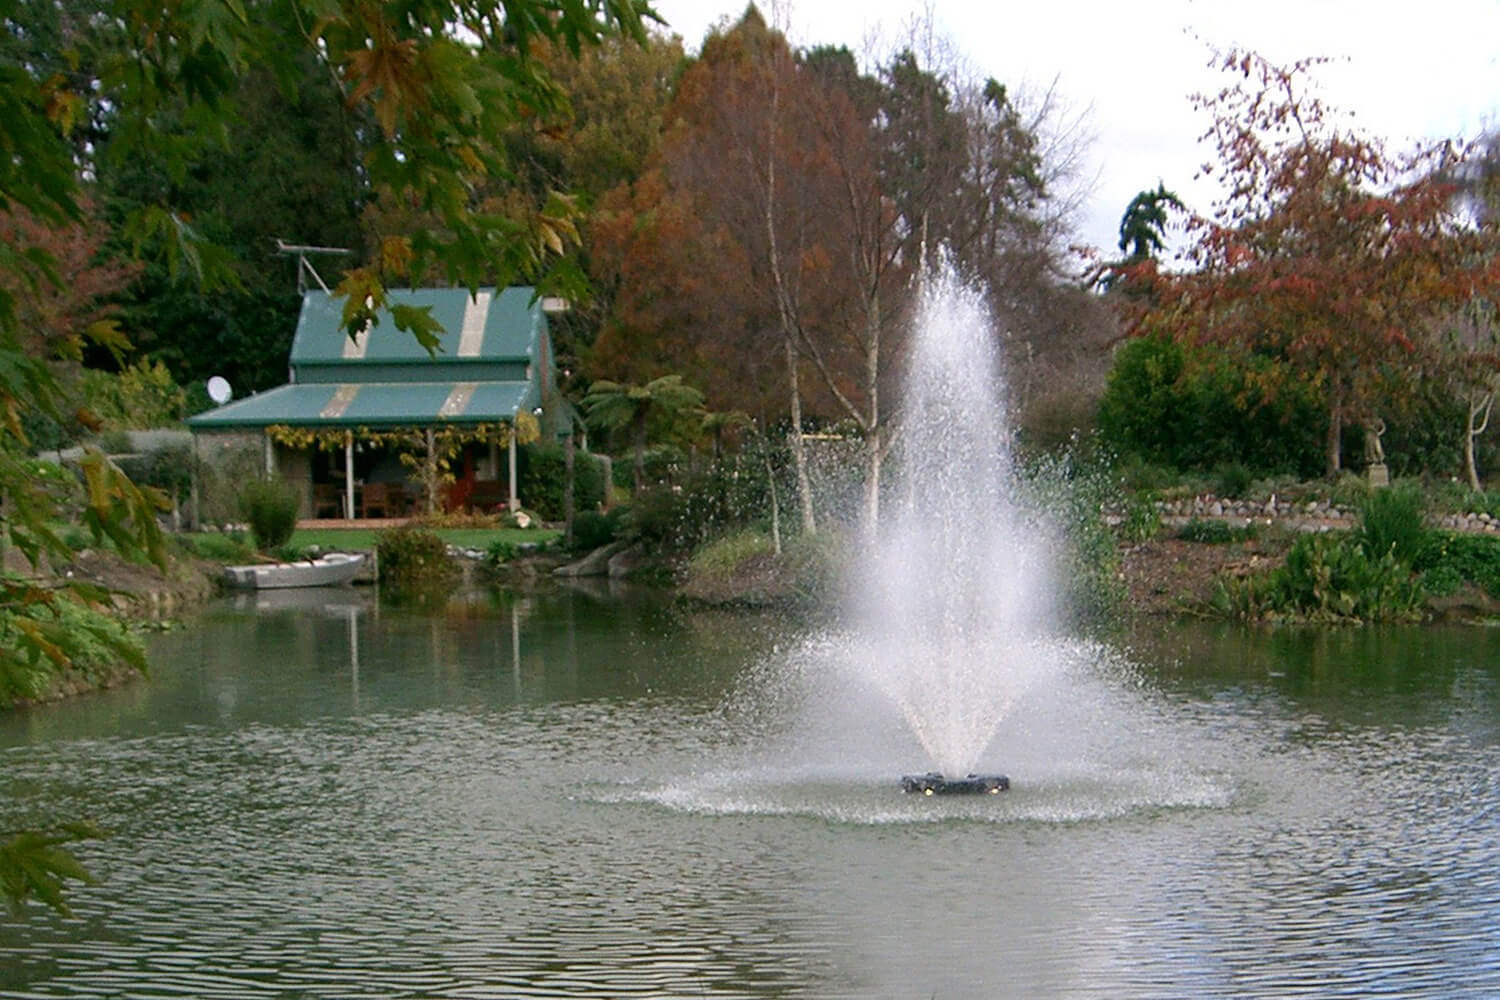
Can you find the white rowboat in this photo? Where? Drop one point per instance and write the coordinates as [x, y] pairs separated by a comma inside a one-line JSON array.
[[324, 571]]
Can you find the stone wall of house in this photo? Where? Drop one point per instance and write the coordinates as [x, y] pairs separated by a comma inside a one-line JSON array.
[[294, 466]]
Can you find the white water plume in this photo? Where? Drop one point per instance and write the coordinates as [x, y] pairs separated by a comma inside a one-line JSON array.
[[953, 601]]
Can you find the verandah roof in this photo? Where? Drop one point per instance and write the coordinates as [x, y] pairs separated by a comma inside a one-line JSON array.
[[374, 405]]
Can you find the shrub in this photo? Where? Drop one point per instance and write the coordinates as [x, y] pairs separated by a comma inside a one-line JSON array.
[[663, 463], [1390, 520], [1141, 520], [1200, 407], [1453, 497], [1139, 476], [727, 495], [1350, 490], [115, 442], [1233, 479], [816, 563], [742, 567], [1420, 432], [653, 519], [724, 555], [411, 557], [717, 499], [168, 468], [97, 646], [76, 537], [677, 519], [224, 465], [591, 529], [1050, 420], [219, 547], [141, 396], [1328, 577], [270, 507], [1075, 492], [519, 520], [1215, 532], [542, 474], [1450, 559]]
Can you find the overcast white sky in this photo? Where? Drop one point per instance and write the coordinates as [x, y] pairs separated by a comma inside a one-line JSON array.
[[1406, 69]]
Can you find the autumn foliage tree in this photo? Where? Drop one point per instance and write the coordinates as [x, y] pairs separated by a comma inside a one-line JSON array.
[[62, 284], [1328, 252], [1467, 341], [743, 175], [1468, 357], [772, 252], [423, 72]]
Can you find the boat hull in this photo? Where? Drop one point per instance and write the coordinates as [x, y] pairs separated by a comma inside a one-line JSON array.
[[325, 571]]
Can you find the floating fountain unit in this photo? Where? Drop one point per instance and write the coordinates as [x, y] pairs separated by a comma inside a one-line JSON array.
[[933, 783]]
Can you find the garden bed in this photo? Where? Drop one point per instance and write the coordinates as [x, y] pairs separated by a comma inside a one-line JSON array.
[[1168, 576]]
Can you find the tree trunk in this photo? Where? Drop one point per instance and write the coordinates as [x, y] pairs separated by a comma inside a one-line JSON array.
[[639, 483], [784, 312], [1471, 471], [775, 505], [799, 457], [872, 392], [1479, 420], [430, 471], [568, 485], [1334, 440]]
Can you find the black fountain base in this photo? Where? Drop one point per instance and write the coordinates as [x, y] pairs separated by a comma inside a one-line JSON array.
[[933, 783]]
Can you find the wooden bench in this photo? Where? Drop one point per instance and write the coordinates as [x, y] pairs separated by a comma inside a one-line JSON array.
[[328, 500]]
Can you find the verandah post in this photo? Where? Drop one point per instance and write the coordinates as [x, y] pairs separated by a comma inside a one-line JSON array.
[[510, 449], [348, 475]]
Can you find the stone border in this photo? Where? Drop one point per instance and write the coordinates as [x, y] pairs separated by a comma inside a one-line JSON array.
[[1311, 515]]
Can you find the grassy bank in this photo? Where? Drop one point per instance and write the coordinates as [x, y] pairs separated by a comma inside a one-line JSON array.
[[232, 546], [1390, 562], [744, 568], [101, 651]]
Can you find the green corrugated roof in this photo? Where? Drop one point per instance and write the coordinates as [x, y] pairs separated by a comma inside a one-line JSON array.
[[385, 378], [486, 327], [374, 405]]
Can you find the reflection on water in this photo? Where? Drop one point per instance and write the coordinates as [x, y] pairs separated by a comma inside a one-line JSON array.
[[547, 794]]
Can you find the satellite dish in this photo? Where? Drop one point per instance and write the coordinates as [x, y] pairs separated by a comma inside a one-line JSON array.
[[219, 391]]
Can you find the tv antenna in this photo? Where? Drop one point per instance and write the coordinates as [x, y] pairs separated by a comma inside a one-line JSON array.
[[304, 266]]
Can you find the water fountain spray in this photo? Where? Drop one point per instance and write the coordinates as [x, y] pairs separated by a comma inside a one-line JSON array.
[[953, 601]]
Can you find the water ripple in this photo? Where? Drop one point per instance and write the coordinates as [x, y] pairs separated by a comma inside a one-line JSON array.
[[634, 848]]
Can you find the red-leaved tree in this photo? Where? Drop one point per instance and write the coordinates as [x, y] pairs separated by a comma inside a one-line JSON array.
[[1327, 252]]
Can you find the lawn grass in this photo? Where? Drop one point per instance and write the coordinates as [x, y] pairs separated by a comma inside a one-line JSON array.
[[363, 539], [467, 538]]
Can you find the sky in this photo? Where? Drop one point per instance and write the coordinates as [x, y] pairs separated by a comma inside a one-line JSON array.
[[1406, 69]]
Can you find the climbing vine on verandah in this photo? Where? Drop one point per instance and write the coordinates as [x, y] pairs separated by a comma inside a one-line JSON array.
[[428, 451]]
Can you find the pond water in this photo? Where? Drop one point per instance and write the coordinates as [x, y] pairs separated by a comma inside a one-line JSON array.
[[577, 794]]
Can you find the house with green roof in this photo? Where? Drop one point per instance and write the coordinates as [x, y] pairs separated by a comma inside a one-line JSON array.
[[354, 406]]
